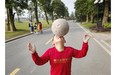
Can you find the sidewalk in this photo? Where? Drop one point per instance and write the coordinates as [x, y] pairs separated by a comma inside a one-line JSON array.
[[103, 36]]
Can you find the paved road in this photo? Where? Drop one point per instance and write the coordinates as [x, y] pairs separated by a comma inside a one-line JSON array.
[[19, 62]]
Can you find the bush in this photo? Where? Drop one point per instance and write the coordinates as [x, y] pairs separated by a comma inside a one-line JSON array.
[[107, 26]]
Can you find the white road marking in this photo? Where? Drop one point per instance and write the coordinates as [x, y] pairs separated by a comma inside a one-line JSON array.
[[48, 41], [106, 43], [87, 31], [103, 47], [14, 71]]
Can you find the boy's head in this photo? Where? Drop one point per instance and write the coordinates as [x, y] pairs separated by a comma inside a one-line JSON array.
[[58, 40]]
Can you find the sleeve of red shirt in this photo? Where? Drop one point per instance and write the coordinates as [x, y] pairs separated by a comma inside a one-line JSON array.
[[40, 60], [81, 53]]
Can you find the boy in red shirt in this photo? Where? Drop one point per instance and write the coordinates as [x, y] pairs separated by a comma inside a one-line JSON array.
[[60, 56]]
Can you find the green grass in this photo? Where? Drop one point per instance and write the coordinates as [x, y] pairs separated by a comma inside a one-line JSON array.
[[22, 28], [88, 25], [9, 35]]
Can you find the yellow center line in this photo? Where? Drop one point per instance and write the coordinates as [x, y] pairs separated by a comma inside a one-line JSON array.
[[14, 71]]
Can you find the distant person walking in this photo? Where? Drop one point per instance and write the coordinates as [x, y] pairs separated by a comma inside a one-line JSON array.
[[35, 27], [40, 27], [31, 26]]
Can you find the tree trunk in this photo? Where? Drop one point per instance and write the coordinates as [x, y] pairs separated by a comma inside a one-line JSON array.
[[8, 23], [52, 17], [36, 12], [106, 12], [11, 19], [87, 18], [91, 18], [18, 18], [31, 18], [46, 17]]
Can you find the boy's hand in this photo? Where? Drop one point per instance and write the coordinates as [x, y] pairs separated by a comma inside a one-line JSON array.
[[86, 38], [31, 48]]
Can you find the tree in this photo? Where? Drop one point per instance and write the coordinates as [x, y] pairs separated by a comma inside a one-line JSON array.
[[8, 20], [80, 9], [85, 8], [72, 16], [88, 8], [10, 15], [106, 12], [45, 6], [59, 8], [36, 10], [50, 10], [10, 5], [91, 12], [19, 12], [30, 10], [66, 13]]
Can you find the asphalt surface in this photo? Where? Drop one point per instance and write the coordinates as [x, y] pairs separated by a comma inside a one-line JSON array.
[[19, 61]]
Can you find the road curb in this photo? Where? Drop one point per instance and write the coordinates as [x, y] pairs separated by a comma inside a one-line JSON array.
[[88, 31], [18, 37]]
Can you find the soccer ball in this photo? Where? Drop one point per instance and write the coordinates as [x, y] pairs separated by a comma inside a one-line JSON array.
[[60, 27]]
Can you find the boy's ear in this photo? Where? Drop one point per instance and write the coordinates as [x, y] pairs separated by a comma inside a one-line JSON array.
[[64, 41]]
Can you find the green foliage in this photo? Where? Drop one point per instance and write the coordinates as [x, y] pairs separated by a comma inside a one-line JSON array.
[[107, 26], [66, 12], [59, 8], [72, 16], [45, 4], [16, 3], [84, 8], [52, 7]]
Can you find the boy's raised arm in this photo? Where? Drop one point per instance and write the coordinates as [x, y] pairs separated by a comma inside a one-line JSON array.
[[31, 48], [82, 53], [38, 60], [86, 38]]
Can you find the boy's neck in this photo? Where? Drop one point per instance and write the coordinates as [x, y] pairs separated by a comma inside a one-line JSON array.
[[59, 47]]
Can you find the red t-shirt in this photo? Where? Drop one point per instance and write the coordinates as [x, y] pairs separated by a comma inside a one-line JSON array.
[[40, 25], [60, 61]]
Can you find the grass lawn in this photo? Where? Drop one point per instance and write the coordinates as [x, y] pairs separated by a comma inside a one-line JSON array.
[[22, 28], [92, 26], [88, 25]]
